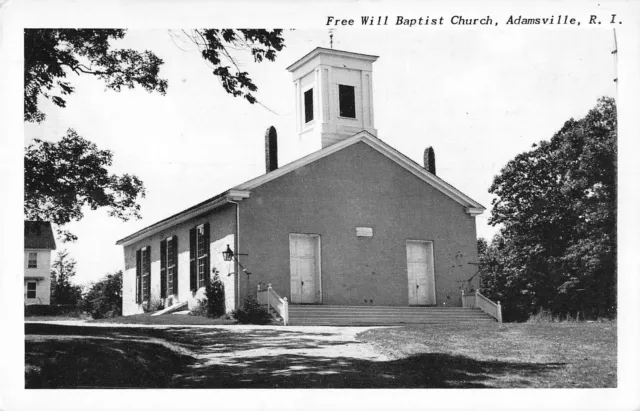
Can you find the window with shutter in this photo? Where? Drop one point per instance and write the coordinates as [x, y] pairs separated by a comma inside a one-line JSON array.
[[202, 253], [169, 266], [146, 273], [207, 260], [193, 279], [199, 251], [172, 267], [138, 276], [163, 269]]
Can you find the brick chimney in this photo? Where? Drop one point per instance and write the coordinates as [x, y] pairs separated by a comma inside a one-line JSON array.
[[430, 160], [271, 149]]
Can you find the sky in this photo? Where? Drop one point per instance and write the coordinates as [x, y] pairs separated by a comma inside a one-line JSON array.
[[478, 97]]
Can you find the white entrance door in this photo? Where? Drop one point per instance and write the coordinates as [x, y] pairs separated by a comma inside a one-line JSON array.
[[304, 252], [422, 289]]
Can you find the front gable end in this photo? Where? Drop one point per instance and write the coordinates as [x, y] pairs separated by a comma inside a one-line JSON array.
[[358, 177], [365, 160]]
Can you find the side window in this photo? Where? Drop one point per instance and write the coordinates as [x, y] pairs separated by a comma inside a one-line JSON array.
[[347, 96], [32, 261], [31, 289], [146, 273], [201, 256], [308, 105]]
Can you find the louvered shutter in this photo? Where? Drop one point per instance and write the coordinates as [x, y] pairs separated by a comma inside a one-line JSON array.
[[147, 271], [138, 276], [163, 269], [193, 268], [207, 259], [174, 244]]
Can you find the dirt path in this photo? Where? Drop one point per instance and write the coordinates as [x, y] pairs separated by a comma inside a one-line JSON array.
[[214, 356]]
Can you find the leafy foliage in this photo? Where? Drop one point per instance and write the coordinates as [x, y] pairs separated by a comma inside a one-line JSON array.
[[215, 297], [63, 270], [251, 312], [51, 54], [104, 298], [217, 47], [556, 249], [61, 178]]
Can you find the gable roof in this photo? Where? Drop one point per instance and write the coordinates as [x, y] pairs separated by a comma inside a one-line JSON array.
[[39, 234], [381, 147], [243, 190]]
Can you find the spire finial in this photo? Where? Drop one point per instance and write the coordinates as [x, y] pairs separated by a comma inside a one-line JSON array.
[[331, 38]]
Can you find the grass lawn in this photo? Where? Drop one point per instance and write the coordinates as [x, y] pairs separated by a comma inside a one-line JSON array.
[[553, 355], [514, 355]]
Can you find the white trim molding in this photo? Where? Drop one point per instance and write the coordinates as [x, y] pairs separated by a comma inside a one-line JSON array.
[[474, 211], [211, 204]]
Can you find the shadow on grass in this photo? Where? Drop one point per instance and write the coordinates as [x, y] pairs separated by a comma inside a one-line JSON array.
[[76, 357]]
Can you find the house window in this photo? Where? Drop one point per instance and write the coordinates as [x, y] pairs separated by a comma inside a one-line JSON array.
[[169, 267], [31, 289], [32, 260], [308, 105], [347, 96], [202, 256], [199, 263], [145, 268]]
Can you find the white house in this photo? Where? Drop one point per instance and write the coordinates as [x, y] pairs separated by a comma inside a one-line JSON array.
[[38, 244]]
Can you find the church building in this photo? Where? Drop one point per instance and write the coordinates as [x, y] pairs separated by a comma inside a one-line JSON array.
[[354, 223]]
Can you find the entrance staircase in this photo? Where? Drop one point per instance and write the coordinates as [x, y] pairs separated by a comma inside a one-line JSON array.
[[383, 315]]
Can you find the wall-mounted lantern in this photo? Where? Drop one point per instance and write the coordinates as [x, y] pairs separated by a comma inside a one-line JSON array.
[[227, 254]]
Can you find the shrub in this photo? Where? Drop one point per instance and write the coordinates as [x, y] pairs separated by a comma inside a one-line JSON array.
[[251, 312], [215, 297], [153, 305], [201, 309], [213, 306], [104, 299], [66, 310], [542, 316]]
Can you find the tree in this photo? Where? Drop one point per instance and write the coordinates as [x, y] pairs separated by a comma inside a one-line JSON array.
[[217, 47], [63, 270], [50, 55], [557, 207], [104, 298], [61, 178]]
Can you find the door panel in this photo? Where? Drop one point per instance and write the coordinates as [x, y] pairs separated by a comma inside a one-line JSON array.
[[420, 273], [304, 252]]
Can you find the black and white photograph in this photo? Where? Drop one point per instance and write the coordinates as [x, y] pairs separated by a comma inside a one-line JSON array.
[[372, 198]]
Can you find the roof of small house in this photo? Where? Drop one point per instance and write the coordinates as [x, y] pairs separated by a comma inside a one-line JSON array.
[[243, 190], [39, 235]]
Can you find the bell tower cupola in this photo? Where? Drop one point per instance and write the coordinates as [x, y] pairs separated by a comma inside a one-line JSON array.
[[333, 96]]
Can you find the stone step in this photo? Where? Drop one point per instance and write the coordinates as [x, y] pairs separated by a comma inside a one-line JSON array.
[[383, 315], [373, 307], [385, 322], [378, 315]]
